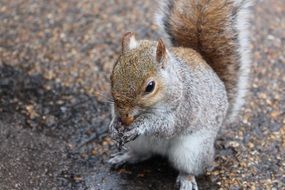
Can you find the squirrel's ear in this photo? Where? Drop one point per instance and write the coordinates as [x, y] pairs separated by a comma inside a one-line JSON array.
[[160, 52], [128, 42]]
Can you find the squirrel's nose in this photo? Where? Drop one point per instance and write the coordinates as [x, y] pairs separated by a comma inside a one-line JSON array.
[[127, 119]]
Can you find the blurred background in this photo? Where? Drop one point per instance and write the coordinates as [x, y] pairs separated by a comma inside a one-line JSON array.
[[55, 61]]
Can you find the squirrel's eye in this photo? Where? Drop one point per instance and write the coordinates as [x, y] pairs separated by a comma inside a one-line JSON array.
[[150, 87]]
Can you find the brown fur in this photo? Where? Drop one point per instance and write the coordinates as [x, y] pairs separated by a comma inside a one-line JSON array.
[[130, 72], [208, 29], [130, 76], [189, 56]]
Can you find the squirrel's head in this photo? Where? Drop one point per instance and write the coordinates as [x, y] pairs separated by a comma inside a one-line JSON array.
[[137, 80]]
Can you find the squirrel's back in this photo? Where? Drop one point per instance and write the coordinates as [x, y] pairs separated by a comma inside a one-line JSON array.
[[217, 29]]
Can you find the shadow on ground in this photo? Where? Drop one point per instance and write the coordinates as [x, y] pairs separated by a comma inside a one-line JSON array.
[[54, 137]]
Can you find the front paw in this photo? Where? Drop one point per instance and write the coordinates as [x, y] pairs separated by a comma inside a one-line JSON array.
[[116, 129], [129, 136], [122, 134]]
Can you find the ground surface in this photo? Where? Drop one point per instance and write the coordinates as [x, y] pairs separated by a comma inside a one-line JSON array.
[[55, 59]]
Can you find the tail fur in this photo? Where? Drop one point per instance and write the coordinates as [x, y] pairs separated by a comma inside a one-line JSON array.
[[217, 29]]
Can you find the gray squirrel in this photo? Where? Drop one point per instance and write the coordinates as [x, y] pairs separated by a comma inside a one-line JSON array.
[[172, 96]]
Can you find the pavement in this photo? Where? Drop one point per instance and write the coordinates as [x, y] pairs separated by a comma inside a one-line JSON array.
[[55, 61]]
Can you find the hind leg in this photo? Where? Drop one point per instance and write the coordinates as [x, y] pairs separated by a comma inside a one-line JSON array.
[[191, 155], [186, 182]]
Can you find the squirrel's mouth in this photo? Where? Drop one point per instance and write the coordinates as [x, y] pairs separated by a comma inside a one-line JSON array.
[[127, 120]]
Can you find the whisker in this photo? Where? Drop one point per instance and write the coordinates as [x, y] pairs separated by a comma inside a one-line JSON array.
[[105, 97]]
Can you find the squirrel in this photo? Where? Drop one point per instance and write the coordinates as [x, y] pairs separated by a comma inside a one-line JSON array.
[[172, 96]]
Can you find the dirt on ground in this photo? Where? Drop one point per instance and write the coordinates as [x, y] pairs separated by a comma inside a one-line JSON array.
[[55, 61]]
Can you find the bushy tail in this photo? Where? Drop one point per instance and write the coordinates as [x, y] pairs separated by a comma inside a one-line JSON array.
[[217, 29]]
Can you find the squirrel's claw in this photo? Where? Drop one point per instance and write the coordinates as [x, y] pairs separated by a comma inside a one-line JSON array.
[[121, 135], [116, 132], [129, 136]]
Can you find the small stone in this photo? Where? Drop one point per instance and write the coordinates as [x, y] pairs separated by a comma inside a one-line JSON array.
[[31, 111], [274, 114], [250, 145], [94, 152]]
